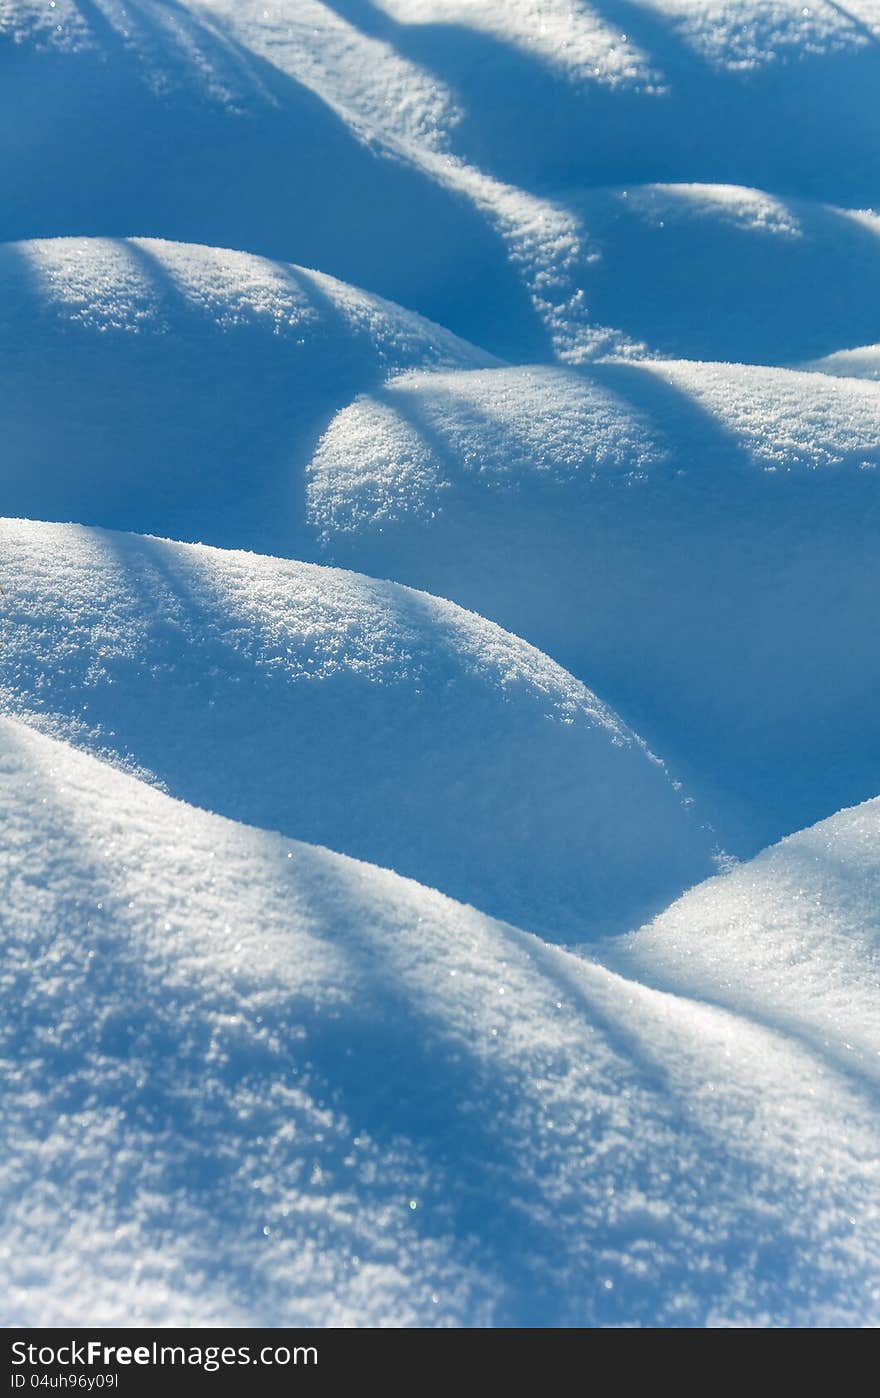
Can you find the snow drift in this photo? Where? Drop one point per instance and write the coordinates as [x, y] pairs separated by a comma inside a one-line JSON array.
[[655, 526], [792, 939], [698, 539], [383, 722], [179, 390], [251, 1082], [281, 130], [721, 272]]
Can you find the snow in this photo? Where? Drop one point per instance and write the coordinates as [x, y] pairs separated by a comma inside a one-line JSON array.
[[860, 363], [216, 106], [719, 271], [441, 443], [193, 382], [386, 723], [790, 938], [697, 538], [249, 1081], [573, 39], [409, 105]]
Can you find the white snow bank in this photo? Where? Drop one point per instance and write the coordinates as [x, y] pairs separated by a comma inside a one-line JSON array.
[[576, 40], [179, 390], [731, 33], [358, 714], [697, 539], [791, 939], [251, 1082], [860, 363], [293, 135], [383, 144], [718, 271], [758, 91]]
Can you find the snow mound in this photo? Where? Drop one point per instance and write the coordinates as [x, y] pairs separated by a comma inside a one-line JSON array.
[[354, 713], [178, 390], [761, 92], [791, 939], [713, 271], [252, 1082], [698, 539], [860, 363], [280, 133], [279, 130]]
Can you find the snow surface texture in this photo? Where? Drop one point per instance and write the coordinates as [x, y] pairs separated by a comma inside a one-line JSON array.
[[566, 312], [792, 938], [351, 712], [698, 539], [192, 382], [426, 116], [252, 1081]]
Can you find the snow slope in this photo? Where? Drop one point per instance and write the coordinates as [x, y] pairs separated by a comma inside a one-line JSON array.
[[860, 363], [383, 722], [277, 137], [280, 130], [772, 93], [698, 539], [191, 387], [188, 384], [252, 1082], [722, 272], [567, 311], [791, 939]]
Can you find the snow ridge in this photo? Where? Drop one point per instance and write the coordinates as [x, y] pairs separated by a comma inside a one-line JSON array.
[[438, 573]]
